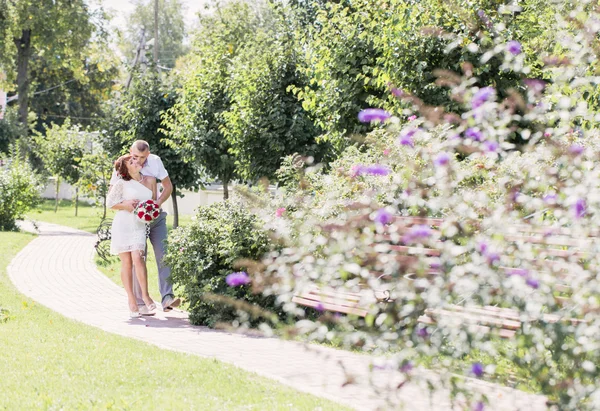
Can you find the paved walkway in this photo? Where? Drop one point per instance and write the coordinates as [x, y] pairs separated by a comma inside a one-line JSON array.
[[57, 270]]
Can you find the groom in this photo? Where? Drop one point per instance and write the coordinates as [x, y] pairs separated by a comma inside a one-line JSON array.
[[153, 166]]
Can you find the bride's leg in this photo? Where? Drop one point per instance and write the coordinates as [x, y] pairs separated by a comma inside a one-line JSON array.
[[142, 276], [127, 279]]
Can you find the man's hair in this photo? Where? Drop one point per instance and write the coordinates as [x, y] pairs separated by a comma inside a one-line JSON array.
[[141, 145]]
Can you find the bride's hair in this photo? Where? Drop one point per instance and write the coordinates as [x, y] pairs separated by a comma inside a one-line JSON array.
[[121, 167]]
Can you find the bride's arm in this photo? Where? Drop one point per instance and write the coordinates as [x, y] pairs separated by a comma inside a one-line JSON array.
[[115, 199]]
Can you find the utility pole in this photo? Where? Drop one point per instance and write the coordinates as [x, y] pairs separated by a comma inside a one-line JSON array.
[[138, 53], [155, 32]]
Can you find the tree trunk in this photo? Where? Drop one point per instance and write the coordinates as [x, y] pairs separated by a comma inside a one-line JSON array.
[[225, 189], [23, 45], [57, 191], [76, 199], [104, 207], [175, 208]]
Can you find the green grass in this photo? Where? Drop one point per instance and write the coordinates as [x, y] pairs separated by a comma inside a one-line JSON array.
[[51, 362]]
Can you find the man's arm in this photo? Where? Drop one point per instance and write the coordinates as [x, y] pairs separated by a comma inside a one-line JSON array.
[[166, 191]]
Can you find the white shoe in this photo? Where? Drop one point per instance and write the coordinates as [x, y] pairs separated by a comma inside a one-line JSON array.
[[134, 314], [170, 302], [145, 311]]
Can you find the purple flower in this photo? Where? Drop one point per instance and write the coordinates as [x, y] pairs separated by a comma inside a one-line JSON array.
[[547, 134], [422, 332], [478, 406], [406, 136], [376, 170], [579, 208], [532, 282], [383, 217], [396, 92], [482, 95], [320, 307], [482, 247], [535, 85], [373, 169], [237, 279], [521, 272], [474, 134], [492, 257], [280, 212], [441, 159], [550, 198], [477, 369], [576, 149], [412, 118], [417, 232], [406, 367], [513, 47], [373, 114], [491, 146]]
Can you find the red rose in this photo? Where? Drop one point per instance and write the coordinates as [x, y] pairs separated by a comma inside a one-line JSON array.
[[148, 218], [140, 214], [156, 213], [149, 208]]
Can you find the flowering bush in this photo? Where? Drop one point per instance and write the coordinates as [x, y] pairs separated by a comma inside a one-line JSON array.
[[206, 257], [466, 167]]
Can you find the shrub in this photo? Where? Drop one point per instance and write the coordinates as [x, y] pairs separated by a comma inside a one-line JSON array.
[[213, 246], [19, 190]]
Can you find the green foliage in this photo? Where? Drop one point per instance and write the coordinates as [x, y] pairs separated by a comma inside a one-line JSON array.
[[61, 150], [96, 169], [138, 116], [10, 130], [19, 190], [49, 45], [196, 122], [264, 115], [204, 252], [339, 56]]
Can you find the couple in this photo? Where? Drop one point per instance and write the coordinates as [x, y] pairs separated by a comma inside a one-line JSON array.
[[134, 180]]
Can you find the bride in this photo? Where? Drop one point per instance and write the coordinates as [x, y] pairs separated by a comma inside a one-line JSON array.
[[128, 233]]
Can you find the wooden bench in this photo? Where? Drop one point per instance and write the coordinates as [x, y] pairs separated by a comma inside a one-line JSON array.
[[553, 246]]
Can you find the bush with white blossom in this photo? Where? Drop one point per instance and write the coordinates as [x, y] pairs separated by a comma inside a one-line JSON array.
[[463, 167]]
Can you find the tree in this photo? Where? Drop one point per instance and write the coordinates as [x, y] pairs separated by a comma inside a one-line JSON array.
[[57, 30], [196, 122], [138, 116], [96, 170], [171, 29], [61, 150], [265, 117]]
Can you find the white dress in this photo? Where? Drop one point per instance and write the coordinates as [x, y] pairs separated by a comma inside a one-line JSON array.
[[128, 233]]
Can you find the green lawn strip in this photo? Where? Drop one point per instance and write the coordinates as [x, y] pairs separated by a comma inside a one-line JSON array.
[[51, 362]]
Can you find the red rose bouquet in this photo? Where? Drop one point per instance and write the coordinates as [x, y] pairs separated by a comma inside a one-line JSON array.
[[147, 211]]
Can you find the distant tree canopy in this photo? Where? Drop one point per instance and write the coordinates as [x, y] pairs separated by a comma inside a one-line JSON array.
[[58, 52]]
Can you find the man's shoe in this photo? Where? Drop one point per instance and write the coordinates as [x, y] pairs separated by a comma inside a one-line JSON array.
[[170, 302], [145, 311]]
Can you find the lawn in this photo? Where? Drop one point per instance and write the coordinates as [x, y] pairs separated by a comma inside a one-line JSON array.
[[51, 362]]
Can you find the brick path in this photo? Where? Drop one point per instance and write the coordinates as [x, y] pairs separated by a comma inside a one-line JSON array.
[[57, 270]]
